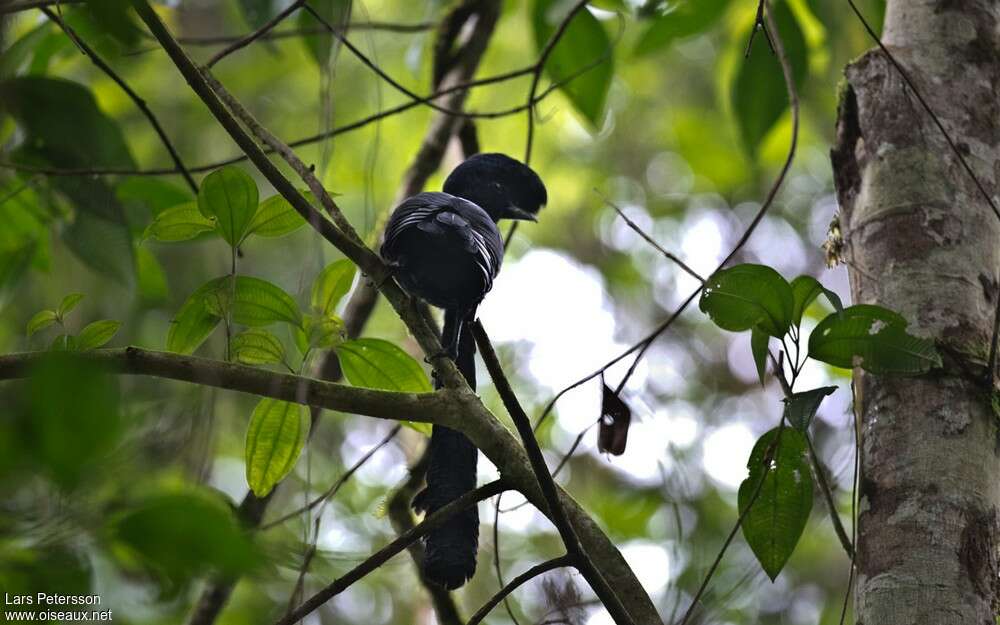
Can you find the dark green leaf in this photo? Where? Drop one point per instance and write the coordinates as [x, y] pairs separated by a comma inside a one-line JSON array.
[[758, 347], [758, 95], [805, 290], [800, 408], [195, 320], [748, 295], [181, 536], [277, 432], [105, 245], [684, 19], [179, 223], [584, 43], [97, 334], [779, 475], [256, 12], [230, 196], [336, 13], [113, 17], [257, 347], [331, 285], [375, 363], [873, 338], [275, 217]]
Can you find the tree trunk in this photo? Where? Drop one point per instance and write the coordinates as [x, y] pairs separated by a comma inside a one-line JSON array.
[[920, 239]]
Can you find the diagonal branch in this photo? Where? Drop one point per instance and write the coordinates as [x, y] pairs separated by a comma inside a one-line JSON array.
[[530, 574], [139, 102], [569, 537], [383, 555]]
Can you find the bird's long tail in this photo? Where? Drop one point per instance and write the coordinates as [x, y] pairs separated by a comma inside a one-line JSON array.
[[450, 550]]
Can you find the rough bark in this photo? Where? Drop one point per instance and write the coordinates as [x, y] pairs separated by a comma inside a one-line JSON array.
[[921, 240]]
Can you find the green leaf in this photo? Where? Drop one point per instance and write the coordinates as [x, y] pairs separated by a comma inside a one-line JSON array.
[[41, 320], [758, 347], [184, 535], [68, 303], [331, 285], [336, 13], [257, 302], [275, 217], [375, 363], [257, 347], [113, 17], [873, 338], [277, 432], [805, 290], [152, 277], [230, 196], [684, 19], [155, 193], [256, 12], [748, 295], [772, 526], [324, 332], [14, 264], [97, 334], [103, 244], [800, 408], [584, 42], [195, 320], [758, 96], [179, 223]]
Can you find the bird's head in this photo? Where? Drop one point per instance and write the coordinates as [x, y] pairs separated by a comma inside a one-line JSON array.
[[502, 186]]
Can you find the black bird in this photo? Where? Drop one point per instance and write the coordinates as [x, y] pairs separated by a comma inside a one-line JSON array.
[[446, 249]]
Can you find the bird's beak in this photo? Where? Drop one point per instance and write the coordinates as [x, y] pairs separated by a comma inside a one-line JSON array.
[[513, 212]]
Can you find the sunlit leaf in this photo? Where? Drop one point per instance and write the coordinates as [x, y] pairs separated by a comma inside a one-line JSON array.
[[323, 331], [584, 43], [331, 285], [97, 334], [375, 363], [179, 223], [758, 95], [744, 296], [195, 320], [41, 320], [230, 196], [779, 476], [683, 19], [68, 303], [255, 302], [800, 408], [277, 432], [873, 338], [257, 347], [275, 217]]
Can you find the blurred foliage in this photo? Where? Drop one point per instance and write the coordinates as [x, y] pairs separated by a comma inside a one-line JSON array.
[[125, 486]]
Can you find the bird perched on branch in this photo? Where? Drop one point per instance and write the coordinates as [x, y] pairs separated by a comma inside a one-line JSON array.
[[446, 249]]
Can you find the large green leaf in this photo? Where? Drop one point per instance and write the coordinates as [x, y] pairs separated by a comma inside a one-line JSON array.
[[331, 285], [255, 302], [758, 95], [583, 43], [114, 18], [748, 295], [257, 346], [230, 196], [179, 223], [181, 536], [277, 432], [195, 320], [684, 19], [336, 13], [375, 363], [805, 290], [780, 478], [800, 408], [97, 334], [873, 338], [275, 217]]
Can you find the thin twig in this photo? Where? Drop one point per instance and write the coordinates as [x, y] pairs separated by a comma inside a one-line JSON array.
[[824, 487], [257, 34], [533, 572], [547, 485], [383, 555], [140, 103], [394, 27]]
